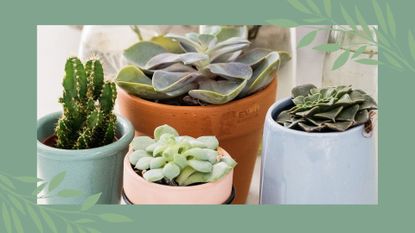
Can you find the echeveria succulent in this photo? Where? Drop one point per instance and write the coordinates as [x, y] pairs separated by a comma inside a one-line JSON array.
[[209, 68], [178, 160], [327, 109]]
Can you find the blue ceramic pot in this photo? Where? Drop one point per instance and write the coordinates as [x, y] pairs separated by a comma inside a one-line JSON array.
[[91, 171], [316, 168]]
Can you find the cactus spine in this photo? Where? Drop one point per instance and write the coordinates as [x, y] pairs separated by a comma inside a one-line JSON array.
[[88, 101]]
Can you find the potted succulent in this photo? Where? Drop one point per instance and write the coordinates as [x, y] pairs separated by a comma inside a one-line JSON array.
[[87, 141], [319, 149], [173, 169], [202, 84]]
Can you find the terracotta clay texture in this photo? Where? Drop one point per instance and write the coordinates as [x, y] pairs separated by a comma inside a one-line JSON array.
[[140, 191], [238, 126]]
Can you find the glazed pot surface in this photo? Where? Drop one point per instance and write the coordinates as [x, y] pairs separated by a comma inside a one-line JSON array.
[[140, 191], [316, 168], [237, 125], [91, 171]]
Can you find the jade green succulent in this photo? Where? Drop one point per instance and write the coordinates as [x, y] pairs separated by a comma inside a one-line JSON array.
[[327, 109], [208, 68], [87, 120], [178, 160]]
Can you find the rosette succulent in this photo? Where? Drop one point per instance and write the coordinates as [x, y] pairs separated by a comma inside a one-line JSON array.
[[87, 120], [204, 68], [178, 160], [327, 109]]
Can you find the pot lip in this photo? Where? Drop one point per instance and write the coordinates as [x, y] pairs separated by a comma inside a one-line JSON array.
[[85, 154], [140, 179], [151, 104], [277, 127]]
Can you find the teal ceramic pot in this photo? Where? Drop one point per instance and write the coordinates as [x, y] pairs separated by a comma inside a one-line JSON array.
[[91, 171], [316, 168]]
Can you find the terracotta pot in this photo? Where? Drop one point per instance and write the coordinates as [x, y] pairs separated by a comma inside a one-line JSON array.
[[238, 126], [140, 191]]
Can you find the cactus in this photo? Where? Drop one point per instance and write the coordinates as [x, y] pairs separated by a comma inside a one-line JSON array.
[[211, 68], [178, 160], [327, 109], [87, 120]]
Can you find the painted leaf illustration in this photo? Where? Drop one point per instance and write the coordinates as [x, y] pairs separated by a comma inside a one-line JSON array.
[[16, 203], [392, 60], [331, 47], [315, 20], [285, 23], [16, 221], [327, 7], [69, 229], [367, 61], [115, 218], [90, 202], [390, 20], [40, 188], [28, 179], [56, 181], [313, 7], [35, 218], [359, 51], [299, 6], [411, 42], [6, 218], [349, 20], [49, 221], [5, 180], [361, 20], [341, 60], [307, 39], [69, 193], [379, 15]]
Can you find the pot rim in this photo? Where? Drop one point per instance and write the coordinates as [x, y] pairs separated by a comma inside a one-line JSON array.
[[140, 179], [49, 152], [256, 95], [277, 127]]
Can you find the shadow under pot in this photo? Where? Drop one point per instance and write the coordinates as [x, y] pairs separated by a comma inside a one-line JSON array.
[[316, 168], [237, 125], [138, 191], [89, 171]]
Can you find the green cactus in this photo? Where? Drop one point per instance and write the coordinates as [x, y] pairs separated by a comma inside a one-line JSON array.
[[178, 160], [87, 120], [327, 109], [211, 67]]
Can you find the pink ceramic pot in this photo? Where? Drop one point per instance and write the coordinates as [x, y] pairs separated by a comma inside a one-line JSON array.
[[140, 191]]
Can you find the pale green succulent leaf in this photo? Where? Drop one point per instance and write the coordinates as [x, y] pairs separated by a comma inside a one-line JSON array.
[[153, 175], [222, 53], [166, 59], [218, 92], [184, 175], [262, 74], [164, 81], [225, 32], [180, 160], [253, 56], [141, 52], [195, 178], [187, 44], [134, 156], [218, 171], [135, 82], [171, 170], [157, 162], [141, 142], [143, 163], [231, 70], [211, 142], [167, 43], [164, 129], [229, 161], [201, 166], [204, 154]]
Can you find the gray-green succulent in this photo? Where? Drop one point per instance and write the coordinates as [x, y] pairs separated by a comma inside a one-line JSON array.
[[178, 160], [211, 68], [327, 109], [87, 120]]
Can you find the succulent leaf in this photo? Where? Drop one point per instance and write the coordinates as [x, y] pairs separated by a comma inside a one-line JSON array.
[[231, 70], [164, 81], [179, 160], [165, 59], [141, 52], [218, 92], [327, 109]]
